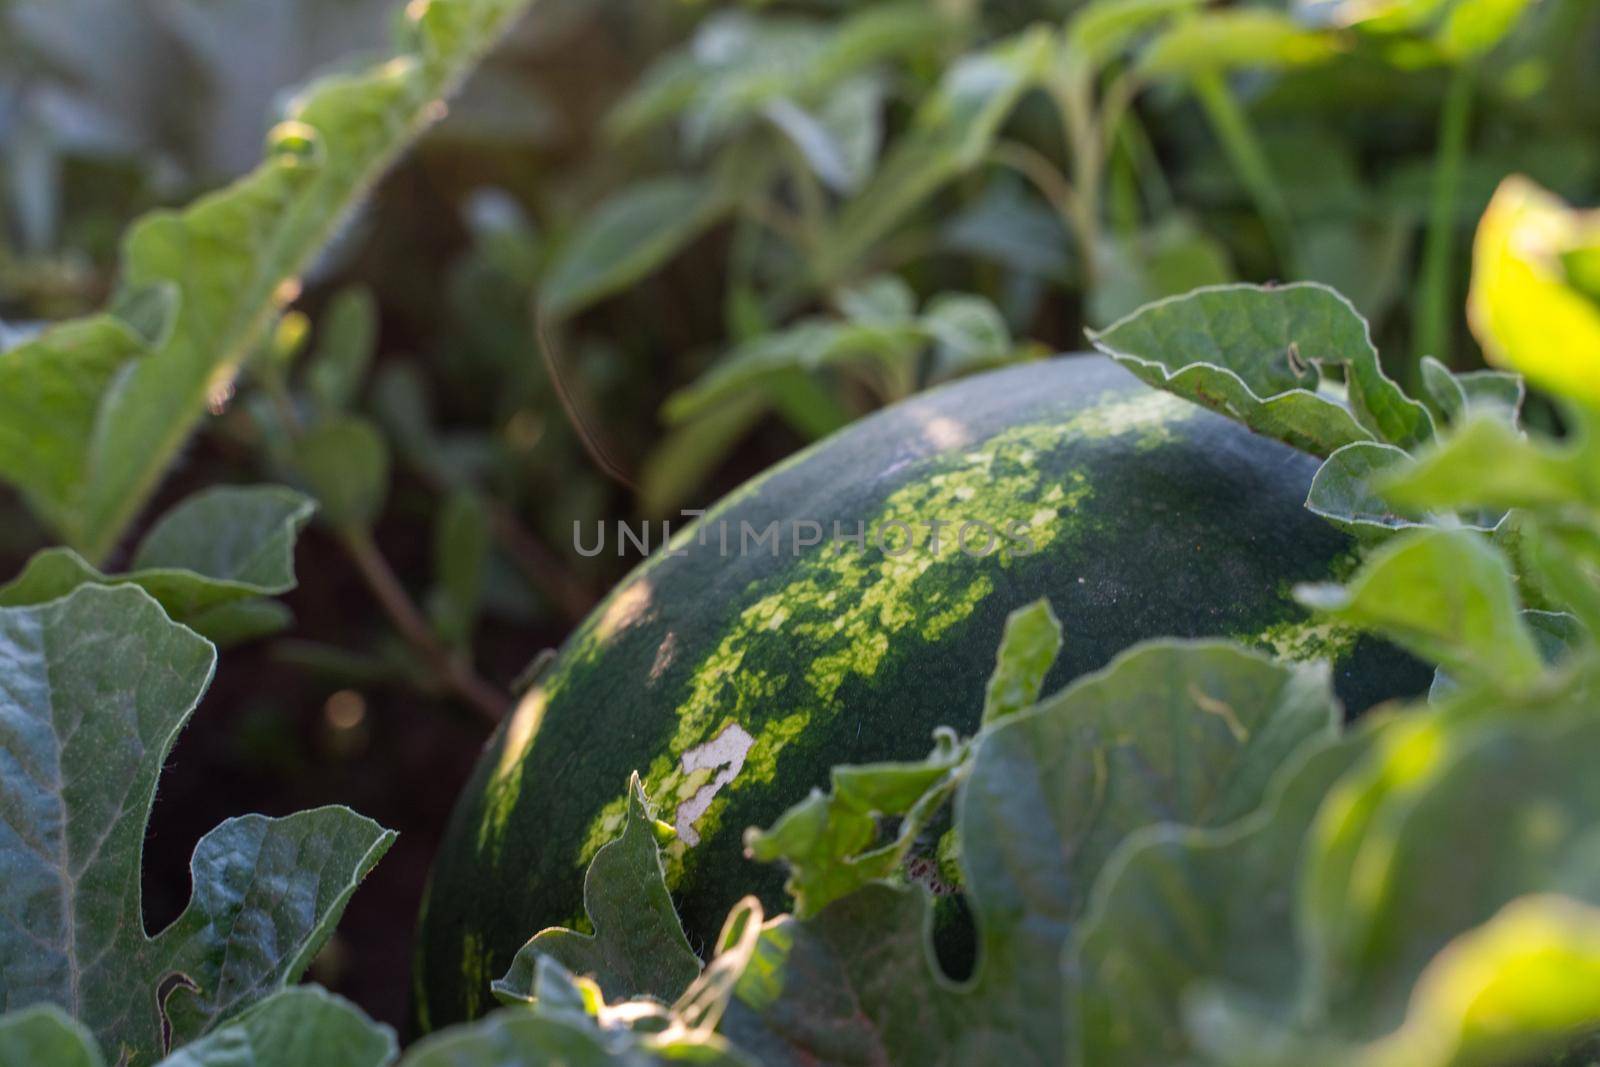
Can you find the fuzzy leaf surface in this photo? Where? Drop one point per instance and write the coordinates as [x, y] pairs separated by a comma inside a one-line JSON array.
[[120, 403], [638, 948], [1253, 352], [218, 550], [96, 687], [1188, 733]]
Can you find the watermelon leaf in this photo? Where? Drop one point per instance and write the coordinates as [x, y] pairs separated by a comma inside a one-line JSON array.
[[1254, 352], [1170, 732], [46, 1034], [1194, 951], [1028, 650], [207, 562], [1445, 595], [98, 684], [638, 948], [567, 1020], [293, 1027], [1454, 397], [1487, 463], [950, 134], [1343, 491], [627, 238], [345, 463], [831, 841], [1180, 911], [94, 411], [1475, 824]]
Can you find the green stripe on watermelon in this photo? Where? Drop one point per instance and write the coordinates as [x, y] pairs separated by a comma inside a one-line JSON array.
[[735, 682]]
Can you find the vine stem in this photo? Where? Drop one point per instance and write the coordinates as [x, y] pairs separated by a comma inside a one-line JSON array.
[[1434, 305], [538, 563], [1249, 160], [490, 704]]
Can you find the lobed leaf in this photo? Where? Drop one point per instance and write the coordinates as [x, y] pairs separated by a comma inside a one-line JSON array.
[[638, 948], [1253, 353], [831, 841], [1170, 732], [1179, 912], [208, 562], [97, 686]]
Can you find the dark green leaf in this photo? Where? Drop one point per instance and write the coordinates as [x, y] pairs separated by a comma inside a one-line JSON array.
[[98, 685], [1179, 911], [293, 1028], [45, 1036], [345, 464], [1343, 490], [638, 948], [204, 561], [1170, 732], [831, 841], [1466, 823], [627, 238], [347, 338]]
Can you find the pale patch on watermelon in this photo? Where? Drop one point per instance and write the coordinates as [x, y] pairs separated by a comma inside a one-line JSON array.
[[723, 754]]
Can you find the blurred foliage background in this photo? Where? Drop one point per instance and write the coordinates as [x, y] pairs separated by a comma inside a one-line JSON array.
[[657, 246]]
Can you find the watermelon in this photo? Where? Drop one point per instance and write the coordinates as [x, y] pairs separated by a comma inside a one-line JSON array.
[[735, 668]]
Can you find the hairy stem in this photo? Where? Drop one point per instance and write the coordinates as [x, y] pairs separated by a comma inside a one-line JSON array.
[[489, 703]]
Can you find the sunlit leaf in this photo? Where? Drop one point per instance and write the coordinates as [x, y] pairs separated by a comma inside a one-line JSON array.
[[1448, 596], [1525, 314]]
